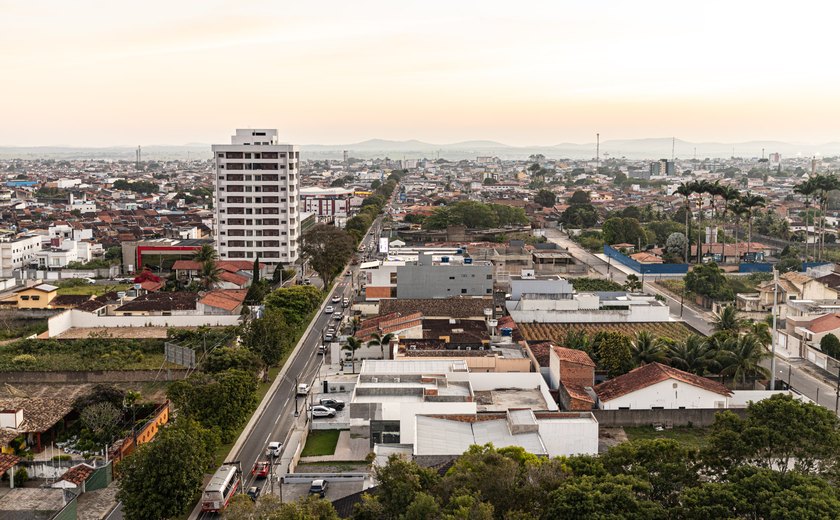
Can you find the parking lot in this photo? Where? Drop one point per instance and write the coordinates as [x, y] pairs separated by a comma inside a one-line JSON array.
[[341, 418], [335, 490]]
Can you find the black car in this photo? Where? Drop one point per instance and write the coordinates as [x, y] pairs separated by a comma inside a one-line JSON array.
[[333, 403], [318, 487], [253, 492]]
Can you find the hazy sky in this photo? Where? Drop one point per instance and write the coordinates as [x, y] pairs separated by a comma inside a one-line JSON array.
[[97, 73]]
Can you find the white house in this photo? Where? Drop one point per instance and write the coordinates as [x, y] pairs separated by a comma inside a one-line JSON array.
[[658, 386]]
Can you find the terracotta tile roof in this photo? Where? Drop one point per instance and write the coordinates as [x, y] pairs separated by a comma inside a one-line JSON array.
[[236, 279], [161, 301], [69, 300], [7, 462], [577, 391], [227, 299], [449, 307], [39, 414], [651, 374], [78, 474], [825, 323], [151, 285], [186, 265], [541, 353], [574, 356]]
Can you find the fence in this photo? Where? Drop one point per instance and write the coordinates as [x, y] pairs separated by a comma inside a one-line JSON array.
[[644, 268], [758, 267], [92, 376], [698, 417], [145, 434]]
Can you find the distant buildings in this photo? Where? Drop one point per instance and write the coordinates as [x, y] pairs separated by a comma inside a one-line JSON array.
[[663, 167], [328, 204], [256, 209]]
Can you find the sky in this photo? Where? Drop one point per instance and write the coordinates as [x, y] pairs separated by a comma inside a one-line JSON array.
[[104, 73]]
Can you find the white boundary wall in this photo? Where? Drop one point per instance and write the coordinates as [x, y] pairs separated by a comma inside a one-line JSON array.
[[74, 318]]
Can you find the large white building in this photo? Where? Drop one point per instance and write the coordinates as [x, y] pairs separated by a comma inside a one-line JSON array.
[[256, 209], [329, 204], [17, 252]]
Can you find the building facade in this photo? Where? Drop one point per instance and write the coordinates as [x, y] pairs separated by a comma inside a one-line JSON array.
[[329, 204], [16, 253], [430, 279], [256, 191]]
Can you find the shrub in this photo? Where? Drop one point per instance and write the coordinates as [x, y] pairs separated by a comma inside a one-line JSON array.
[[24, 359], [21, 476], [62, 457]]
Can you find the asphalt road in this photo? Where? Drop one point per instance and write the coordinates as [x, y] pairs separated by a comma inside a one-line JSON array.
[[798, 373], [277, 418]]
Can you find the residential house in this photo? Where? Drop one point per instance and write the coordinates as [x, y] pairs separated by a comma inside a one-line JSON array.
[[36, 297], [791, 286], [657, 386], [572, 374]]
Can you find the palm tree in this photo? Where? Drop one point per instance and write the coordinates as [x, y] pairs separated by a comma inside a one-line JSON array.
[[742, 357], [751, 201], [730, 196], [686, 191], [381, 341], [760, 330], [205, 253], [209, 274], [692, 355], [738, 211], [353, 344], [646, 348], [728, 321], [824, 184], [807, 190], [578, 340], [700, 187]]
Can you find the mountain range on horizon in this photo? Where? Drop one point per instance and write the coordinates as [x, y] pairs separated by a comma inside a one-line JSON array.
[[634, 149]]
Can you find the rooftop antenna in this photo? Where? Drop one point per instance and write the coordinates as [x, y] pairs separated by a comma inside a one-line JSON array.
[[597, 152]]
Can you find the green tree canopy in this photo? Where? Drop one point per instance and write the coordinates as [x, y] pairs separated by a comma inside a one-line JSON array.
[[328, 250], [545, 198], [708, 280]]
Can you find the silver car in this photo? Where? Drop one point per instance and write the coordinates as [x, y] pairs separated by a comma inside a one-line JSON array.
[[322, 411]]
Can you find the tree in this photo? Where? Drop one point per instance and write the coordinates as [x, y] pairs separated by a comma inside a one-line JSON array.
[[708, 280], [210, 274], [102, 419], [579, 216], [807, 189], [686, 190], [225, 358], [612, 350], [222, 402], [619, 230], [296, 302], [675, 246], [580, 197], [594, 285], [353, 344], [692, 355], [633, 284], [741, 358], [205, 253], [750, 202], [646, 348], [375, 184], [161, 479], [545, 198], [381, 341], [489, 181], [328, 250], [830, 345], [268, 337], [728, 321]]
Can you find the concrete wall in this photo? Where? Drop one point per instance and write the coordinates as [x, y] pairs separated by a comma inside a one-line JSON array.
[[699, 417], [74, 318], [95, 376], [443, 281]]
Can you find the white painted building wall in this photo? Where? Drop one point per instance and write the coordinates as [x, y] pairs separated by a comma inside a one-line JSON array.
[[670, 395], [17, 253], [74, 318]]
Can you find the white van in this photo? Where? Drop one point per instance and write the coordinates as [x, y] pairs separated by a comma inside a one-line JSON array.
[[302, 389]]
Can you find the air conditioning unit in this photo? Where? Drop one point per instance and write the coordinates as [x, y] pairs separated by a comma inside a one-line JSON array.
[[396, 379], [469, 348], [374, 379]]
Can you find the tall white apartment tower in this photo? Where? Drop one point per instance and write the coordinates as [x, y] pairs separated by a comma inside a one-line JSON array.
[[256, 205]]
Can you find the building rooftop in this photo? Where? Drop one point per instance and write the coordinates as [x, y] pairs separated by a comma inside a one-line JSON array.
[[418, 367], [650, 374], [444, 307]]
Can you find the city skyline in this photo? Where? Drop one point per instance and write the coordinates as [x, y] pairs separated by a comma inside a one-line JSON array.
[[93, 74]]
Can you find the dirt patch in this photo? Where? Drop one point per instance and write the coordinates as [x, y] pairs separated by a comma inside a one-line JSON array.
[[609, 437]]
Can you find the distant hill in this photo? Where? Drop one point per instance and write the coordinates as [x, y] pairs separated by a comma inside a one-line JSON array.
[[637, 149]]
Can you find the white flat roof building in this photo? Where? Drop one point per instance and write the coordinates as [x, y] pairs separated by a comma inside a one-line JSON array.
[[256, 198]]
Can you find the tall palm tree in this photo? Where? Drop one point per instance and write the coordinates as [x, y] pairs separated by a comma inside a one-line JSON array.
[[751, 201], [381, 341], [738, 211], [730, 196], [686, 190], [742, 357], [209, 274], [728, 321], [700, 187], [824, 184], [578, 340], [205, 253], [353, 344], [646, 348], [807, 190], [692, 355]]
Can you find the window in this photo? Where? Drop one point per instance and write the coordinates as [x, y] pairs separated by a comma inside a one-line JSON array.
[[489, 291], [451, 277], [489, 276], [24, 297], [463, 291], [233, 155]]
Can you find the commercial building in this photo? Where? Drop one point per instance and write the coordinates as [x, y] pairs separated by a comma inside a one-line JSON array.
[[256, 209], [663, 167], [428, 278], [328, 204]]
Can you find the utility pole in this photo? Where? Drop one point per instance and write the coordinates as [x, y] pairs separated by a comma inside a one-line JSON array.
[[597, 152], [773, 332], [837, 393]]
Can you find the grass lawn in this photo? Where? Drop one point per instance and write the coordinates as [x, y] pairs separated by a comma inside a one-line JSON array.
[[692, 437], [320, 442], [92, 290]]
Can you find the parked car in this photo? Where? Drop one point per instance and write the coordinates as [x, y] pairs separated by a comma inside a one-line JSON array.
[[302, 389], [335, 404], [329, 309], [336, 315], [261, 469], [274, 448], [322, 349], [329, 336], [322, 411], [253, 493], [318, 487], [336, 298]]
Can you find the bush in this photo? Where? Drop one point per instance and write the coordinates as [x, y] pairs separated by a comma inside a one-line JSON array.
[[830, 344], [21, 476], [62, 457], [24, 359]]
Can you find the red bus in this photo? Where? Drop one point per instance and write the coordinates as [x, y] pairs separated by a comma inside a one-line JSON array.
[[220, 489]]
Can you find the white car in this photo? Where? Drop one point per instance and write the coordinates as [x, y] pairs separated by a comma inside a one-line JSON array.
[[329, 309], [274, 448], [328, 337], [336, 315], [302, 389], [322, 411], [336, 298]]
